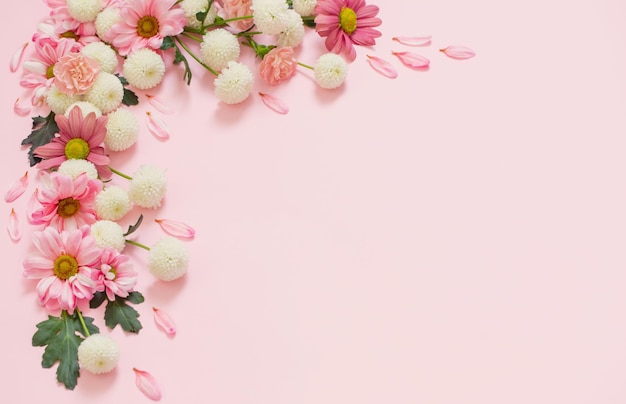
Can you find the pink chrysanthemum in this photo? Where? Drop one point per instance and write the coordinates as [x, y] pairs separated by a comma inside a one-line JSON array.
[[144, 23], [79, 138], [65, 24], [346, 23], [66, 203], [64, 266], [117, 276]]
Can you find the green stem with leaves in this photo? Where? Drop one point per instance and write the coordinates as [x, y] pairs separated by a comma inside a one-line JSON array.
[[82, 322], [197, 59]]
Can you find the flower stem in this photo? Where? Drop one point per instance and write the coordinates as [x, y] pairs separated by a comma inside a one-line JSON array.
[[190, 36], [114, 171], [82, 322], [307, 66], [186, 48], [132, 242]]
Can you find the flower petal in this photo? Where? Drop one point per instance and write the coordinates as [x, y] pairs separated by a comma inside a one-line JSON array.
[[164, 321], [458, 52], [30, 207], [16, 60], [158, 104], [147, 384], [413, 40], [157, 127], [15, 232], [17, 189], [274, 103], [382, 66], [177, 229], [413, 60], [21, 109]]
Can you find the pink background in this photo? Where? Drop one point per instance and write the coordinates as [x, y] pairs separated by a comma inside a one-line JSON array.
[[451, 236]]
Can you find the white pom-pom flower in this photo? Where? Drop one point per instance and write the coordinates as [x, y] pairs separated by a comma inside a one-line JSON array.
[[168, 259], [105, 20], [144, 69], [304, 7], [294, 30], [193, 7], [85, 107], [148, 186], [75, 167], [269, 15], [330, 70], [106, 93], [103, 54], [108, 234], [112, 203], [219, 47], [84, 10], [122, 130], [59, 101], [234, 84], [98, 353]]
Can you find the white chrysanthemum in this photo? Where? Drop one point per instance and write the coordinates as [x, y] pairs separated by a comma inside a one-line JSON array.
[[144, 69], [84, 10], [234, 84], [98, 353], [108, 234], [112, 203], [106, 93], [168, 259], [294, 30], [330, 70], [75, 167], [193, 7], [304, 7], [269, 15], [85, 107], [122, 130], [105, 20], [219, 47], [58, 101], [103, 54], [148, 186]]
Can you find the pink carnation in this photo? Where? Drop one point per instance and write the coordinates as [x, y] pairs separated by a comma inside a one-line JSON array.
[[278, 65], [117, 276], [238, 8], [75, 73]]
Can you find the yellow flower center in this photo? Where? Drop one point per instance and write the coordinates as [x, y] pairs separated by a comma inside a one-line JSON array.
[[65, 267], [77, 149], [347, 20], [68, 207], [70, 35], [147, 26], [50, 72]]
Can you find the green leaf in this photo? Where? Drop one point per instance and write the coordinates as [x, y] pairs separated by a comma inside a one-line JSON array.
[[42, 133], [168, 42], [135, 297], [97, 300], [133, 228], [119, 313], [201, 15], [308, 23], [46, 330], [122, 79], [179, 57], [130, 98]]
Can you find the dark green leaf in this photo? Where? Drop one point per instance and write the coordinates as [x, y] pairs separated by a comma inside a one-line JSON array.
[[168, 42], [42, 133], [308, 23], [133, 228], [122, 79], [201, 15], [135, 297], [97, 300], [46, 330], [179, 57], [118, 312], [129, 98]]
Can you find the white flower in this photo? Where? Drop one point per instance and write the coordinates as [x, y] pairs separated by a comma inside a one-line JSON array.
[[98, 353], [304, 7], [112, 203], [234, 84], [144, 69], [148, 186], [330, 70], [168, 259], [269, 15], [75, 167], [84, 10], [122, 130], [85, 107], [103, 54], [106, 93], [193, 7], [59, 101], [294, 30], [105, 20], [108, 234], [219, 47]]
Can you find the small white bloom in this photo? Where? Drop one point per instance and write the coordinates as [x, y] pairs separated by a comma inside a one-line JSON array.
[[122, 130], [59, 101], [105, 20], [84, 10], [148, 186], [234, 84], [75, 167], [112, 203], [219, 47], [85, 107], [193, 7], [330, 70], [269, 15], [144, 69], [108, 234], [98, 353], [106, 93], [168, 259], [304, 7], [103, 54], [294, 30]]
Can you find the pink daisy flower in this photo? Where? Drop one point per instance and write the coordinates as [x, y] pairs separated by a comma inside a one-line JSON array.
[[65, 24], [64, 264], [346, 23], [79, 138], [66, 203], [144, 23], [117, 276], [48, 30]]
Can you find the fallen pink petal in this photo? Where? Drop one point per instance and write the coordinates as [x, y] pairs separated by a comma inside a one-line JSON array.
[[382, 66], [16, 60], [147, 384], [157, 127], [159, 105], [17, 189], [20, 108], [458, 52], [30, 207], [412, 60], [177, 229], [413, 40], [274, 103], [164, 321], [15, 232]]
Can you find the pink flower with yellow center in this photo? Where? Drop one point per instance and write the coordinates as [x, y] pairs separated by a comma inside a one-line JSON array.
[[346, 23], [117, 276], [64, 264]]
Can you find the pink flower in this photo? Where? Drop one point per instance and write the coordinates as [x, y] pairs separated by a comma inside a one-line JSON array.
[[65, 24], [238, 8], [79, 138], [117, 276], [278, 65], [346, 23], [64, 264], [66, 203], [75, 73], [144, 23]]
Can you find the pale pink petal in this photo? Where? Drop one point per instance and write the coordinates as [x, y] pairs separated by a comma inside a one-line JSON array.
[[21, 109], [382, 66], [157, 127], [16, 60], [17, 189], [458, 52], [413, 60], [413, 40], [159, 104], [274, 103], [147, 384], [177, 229], [30, 207], [15, 232], [164, 321]]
